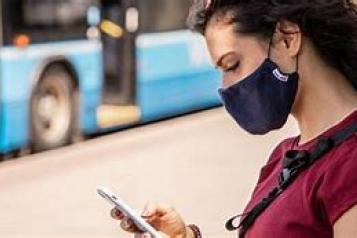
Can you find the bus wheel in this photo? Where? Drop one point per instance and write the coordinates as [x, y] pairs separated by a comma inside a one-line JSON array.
[[52, 109]]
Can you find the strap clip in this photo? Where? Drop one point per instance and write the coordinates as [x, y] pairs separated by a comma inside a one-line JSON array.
[[293, 161], [293, 158]]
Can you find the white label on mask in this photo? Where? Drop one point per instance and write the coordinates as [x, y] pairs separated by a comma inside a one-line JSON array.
[[280, 76]]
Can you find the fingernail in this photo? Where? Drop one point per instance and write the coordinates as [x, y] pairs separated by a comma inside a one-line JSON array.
[[128, 224], [112, 213], [117, 213], [146, 213]]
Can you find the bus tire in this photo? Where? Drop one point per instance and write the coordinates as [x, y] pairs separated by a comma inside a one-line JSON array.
[[52, 109]]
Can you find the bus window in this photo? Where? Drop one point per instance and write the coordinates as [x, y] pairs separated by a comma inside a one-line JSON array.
[[46, 20], [163, 15]]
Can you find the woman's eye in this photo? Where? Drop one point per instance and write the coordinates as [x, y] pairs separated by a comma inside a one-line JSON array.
[[232, 67]]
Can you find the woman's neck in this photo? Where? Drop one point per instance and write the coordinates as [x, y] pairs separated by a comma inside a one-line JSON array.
[[325, 98]]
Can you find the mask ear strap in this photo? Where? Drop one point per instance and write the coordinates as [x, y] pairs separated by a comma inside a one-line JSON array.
[[269, 53], [270, 45], [297, 63]]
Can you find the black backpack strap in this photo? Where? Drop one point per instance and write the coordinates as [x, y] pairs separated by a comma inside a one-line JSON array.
[[294, 163], [326, 144]]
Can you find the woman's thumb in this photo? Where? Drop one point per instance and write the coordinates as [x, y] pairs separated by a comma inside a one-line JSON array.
[[149, 210]]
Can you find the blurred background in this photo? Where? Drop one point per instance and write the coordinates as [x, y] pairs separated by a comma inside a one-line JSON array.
[[114, 93]]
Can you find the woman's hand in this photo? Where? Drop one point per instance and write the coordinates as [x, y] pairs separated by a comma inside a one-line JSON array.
[[162, 217]]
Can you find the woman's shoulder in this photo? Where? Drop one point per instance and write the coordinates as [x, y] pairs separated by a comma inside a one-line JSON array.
[[337, 180], [344, 153]]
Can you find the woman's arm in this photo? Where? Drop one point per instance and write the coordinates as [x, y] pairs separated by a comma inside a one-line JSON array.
[[346, 225]]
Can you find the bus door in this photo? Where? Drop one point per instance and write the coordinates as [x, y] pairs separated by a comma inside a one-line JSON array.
[[118, 31], [117, 53]]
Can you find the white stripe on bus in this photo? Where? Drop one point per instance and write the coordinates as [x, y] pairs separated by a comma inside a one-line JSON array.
[[49, 49], [164, 38]]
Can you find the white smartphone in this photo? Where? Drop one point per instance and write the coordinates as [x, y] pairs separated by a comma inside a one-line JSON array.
[[127, 211]]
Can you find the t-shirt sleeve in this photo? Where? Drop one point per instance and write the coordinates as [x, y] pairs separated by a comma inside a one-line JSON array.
[[338, 189]]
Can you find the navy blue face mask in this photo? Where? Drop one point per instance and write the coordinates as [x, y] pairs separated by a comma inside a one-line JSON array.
[[261, 102]]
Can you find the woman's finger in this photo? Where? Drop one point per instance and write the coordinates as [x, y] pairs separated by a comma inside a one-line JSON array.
[[142, 235], [149, 210], [116, 214], [156, 209], [128, 225]]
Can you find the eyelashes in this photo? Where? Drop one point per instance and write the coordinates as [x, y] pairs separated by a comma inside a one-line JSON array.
[[233, 67]]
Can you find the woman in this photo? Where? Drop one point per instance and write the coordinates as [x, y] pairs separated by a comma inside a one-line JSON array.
[[280, 57]]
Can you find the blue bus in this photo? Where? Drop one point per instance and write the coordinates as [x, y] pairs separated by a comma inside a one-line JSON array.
[[80, 67]]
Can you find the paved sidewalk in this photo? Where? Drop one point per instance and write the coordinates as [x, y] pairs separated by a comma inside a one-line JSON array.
[[202, 163]]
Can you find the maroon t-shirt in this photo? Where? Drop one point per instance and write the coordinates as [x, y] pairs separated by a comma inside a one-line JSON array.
[[311, 205]]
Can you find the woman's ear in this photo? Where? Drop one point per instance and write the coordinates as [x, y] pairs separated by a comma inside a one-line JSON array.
[[288, 38]]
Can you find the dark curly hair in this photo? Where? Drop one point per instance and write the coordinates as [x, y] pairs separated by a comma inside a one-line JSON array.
[[331, 25]]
